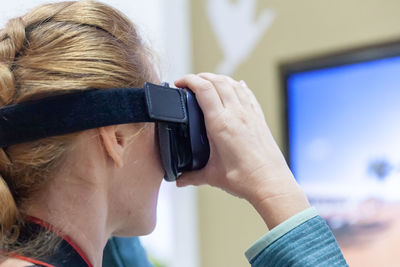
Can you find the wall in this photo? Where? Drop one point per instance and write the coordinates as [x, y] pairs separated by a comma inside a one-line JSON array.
[[297, 29]]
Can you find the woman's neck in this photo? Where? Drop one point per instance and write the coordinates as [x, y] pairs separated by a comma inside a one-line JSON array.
[[78, 211]]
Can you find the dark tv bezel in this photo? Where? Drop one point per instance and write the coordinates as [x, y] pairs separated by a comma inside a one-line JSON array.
[[335, 59]]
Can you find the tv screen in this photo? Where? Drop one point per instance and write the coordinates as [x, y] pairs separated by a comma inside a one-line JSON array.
[[343, 122]]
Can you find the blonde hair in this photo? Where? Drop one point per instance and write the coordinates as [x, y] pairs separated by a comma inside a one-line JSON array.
[[57, 47]]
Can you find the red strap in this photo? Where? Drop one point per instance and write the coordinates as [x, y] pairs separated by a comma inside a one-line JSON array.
[[50, 227], [31, 260]]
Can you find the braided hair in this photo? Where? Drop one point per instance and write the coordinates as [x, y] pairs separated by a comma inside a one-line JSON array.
[[59, 47]]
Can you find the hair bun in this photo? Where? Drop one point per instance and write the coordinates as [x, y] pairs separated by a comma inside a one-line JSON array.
[[9, 213]]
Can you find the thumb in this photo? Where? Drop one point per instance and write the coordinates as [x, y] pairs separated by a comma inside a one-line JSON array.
[[191, 178]]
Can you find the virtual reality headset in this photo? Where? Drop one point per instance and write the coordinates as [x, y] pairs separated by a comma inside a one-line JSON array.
[[179, 120]]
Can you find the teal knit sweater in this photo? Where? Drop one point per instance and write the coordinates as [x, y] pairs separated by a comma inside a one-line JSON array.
[[303, 240]]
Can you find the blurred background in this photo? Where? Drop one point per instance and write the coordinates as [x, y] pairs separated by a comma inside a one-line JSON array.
[[327, 74]]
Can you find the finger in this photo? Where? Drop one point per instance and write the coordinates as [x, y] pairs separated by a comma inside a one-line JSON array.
[[252, 98], [224, 86], [195, 178], [242, 94], [206, 95]]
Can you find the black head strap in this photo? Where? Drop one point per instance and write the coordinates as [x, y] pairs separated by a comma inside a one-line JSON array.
[[88, 109]]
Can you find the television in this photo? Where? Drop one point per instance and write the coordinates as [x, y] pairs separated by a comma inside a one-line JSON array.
[[343, 146]]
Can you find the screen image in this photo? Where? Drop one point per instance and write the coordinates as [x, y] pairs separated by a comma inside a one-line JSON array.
[[344, 150]]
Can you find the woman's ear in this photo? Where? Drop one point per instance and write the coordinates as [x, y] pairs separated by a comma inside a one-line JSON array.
[[113, 144]]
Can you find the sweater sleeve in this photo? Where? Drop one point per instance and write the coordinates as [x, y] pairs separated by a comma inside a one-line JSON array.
[[303, 240]]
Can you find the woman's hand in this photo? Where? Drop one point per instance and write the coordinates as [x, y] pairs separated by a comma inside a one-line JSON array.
[[244, 158]]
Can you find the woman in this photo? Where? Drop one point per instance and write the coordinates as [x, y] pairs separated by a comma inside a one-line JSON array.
[[67, 195]]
